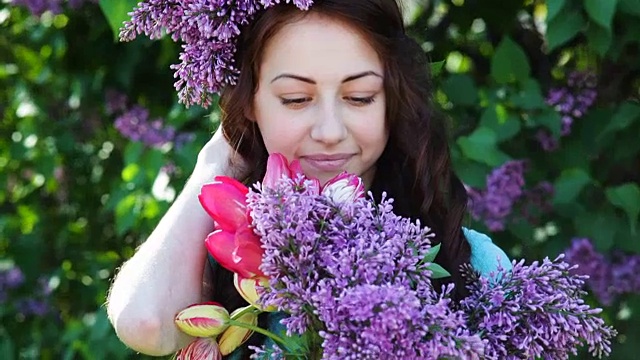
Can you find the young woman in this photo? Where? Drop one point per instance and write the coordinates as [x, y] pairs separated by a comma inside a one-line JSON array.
[[341, 87]]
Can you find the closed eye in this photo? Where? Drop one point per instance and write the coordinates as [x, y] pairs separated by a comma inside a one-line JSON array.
[[360, 101], [294, 102]]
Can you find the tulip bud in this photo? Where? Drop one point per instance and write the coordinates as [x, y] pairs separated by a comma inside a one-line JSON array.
[[235, 336], [247, 289], [200, 349], [344, 188], [203, 320]]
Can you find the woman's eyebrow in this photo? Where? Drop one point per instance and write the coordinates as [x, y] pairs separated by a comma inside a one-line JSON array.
[[311, 81]]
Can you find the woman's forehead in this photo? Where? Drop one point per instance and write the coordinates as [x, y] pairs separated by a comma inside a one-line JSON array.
[[318, 47]]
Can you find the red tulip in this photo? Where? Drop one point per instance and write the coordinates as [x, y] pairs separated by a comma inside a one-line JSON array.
[[225, 201], [277, 167]]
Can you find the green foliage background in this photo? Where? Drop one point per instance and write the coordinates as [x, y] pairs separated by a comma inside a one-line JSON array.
[[76, 196]]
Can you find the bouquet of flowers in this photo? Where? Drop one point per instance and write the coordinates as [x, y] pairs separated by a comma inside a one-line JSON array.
[[355, 282]]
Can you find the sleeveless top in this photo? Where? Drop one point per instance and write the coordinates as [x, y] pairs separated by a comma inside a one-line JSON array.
[[485, 258]]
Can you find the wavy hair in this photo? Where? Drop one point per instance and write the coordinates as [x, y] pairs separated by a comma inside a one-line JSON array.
[[415, 167]]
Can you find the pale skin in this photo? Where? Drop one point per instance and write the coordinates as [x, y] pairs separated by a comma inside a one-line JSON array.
[[320, 94]]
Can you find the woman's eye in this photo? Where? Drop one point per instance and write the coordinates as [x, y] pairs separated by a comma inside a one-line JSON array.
[[361, 101], [294, 101]]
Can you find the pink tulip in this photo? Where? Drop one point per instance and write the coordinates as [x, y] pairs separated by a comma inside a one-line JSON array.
[[277, 167], [221, 245], [344, 188], [200, 349], [238, 252], [225, 201], [247, 253]]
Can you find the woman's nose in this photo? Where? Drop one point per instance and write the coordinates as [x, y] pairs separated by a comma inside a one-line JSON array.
[[329, 126]]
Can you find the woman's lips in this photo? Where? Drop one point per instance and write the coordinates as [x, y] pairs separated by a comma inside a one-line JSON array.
[[327, 162]]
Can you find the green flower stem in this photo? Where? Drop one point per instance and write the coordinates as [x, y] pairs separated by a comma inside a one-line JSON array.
[[260, 330], [246, 310]]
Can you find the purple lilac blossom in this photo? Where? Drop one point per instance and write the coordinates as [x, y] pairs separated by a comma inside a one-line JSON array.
[[353, 273], [504, 187], [39, 7], [608, 278], [208, 31], [571, 102], [135, 125], [331, 257], [535, 311]]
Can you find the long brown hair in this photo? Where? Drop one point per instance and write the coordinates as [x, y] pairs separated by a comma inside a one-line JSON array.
[[415, 167]]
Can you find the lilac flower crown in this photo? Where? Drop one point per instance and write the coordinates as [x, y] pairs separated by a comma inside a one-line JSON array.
[[208, 30]]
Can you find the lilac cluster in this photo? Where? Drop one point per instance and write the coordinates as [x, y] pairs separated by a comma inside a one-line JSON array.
[[36, 304], [505, 190], [608, 278], [571, 102], [134, 123], [39, 7], [208, 30], [535, 311], [354, 273]]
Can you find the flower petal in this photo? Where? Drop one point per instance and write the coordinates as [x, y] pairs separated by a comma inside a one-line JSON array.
[[225, 200], [203, 320], [247, 253], [344, 188], [247, 289], [221, 245], [277, 167], [200, 349], [235, 336]]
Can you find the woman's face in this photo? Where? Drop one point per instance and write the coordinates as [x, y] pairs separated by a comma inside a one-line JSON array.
[[321, 99]]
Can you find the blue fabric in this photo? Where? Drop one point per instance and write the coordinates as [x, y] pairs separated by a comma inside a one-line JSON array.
[[485, 258]]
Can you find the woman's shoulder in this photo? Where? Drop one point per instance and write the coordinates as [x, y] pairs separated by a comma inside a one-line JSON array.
[[486, 256]]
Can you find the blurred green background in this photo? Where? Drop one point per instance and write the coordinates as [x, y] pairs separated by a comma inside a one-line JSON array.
[[95, 146]]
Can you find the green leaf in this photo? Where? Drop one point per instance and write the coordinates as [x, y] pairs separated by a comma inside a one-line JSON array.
[[530, 96], [599, 227], [126, 214], [117, 12], [431, 255], [599, 38], [510, 63], [631, 7], [481, 145], [569, 185], [627, 113], [436, 68], [471, 173], [460, 89], [564, 28], [497, 118], [627, 198], [553, 8], [601, 12], [437, 271], [132, 152], [551, 120]]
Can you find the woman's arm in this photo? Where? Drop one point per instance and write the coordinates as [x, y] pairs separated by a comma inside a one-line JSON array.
[[165, 274]]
